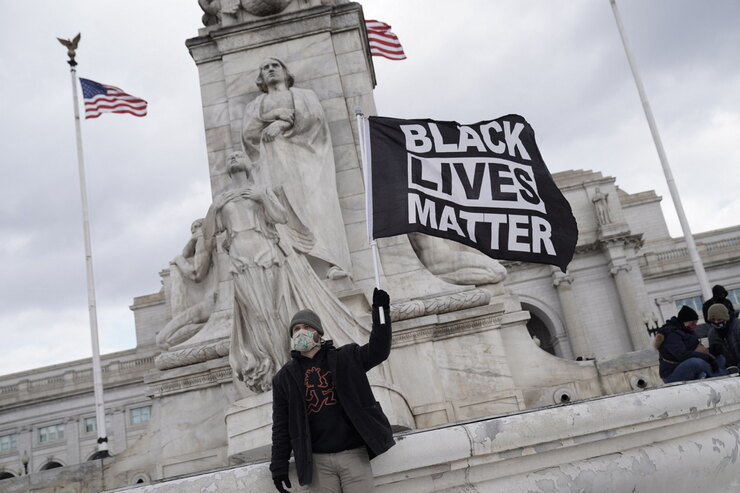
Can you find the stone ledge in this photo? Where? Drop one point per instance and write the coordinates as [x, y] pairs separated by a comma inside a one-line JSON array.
[[679, 437]]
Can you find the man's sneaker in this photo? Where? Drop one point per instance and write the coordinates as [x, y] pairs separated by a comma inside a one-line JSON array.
[[733, 370]]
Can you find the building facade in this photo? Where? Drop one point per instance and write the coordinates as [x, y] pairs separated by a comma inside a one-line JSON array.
[[627, 275]]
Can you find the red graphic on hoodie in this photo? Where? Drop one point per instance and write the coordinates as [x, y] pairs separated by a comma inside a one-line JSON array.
[[319, 389]]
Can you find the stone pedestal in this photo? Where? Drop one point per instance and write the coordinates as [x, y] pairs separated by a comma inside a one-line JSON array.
[[189, 427], [458, 352]]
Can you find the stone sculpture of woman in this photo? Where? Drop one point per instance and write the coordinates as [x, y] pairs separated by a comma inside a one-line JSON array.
[[271, 281], [602, 207], [286, 135]]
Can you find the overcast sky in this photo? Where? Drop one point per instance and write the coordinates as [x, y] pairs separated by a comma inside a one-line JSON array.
[[558, 63]]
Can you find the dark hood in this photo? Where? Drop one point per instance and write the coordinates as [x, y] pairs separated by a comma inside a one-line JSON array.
[[719, 291]]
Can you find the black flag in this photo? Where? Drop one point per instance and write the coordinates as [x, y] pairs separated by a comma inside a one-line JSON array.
[[484, 185]]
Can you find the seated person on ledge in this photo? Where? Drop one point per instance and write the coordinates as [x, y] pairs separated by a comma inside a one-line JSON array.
[[682, 356], [724, 335]]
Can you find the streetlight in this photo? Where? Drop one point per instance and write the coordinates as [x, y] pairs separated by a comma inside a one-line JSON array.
[[25, 460]]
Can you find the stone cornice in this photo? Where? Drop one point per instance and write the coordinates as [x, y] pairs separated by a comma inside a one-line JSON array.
[[629, 240], [72, 379], [440, 304], [437, 332], [191, 381]]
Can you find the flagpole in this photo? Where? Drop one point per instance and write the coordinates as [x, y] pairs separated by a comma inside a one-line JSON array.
[[362, 133], [690, 245], [93, 317]]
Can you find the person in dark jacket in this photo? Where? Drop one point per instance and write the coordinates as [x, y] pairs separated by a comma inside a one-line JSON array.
[[724, 334], [719, 296], [682, 356], [323, 409]]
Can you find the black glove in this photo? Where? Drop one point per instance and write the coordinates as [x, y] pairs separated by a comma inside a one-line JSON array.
[[279, 483], [381, 300]]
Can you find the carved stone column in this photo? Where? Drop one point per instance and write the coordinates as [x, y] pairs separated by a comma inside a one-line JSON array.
[[574, 327], [628, 301], [72, 437]]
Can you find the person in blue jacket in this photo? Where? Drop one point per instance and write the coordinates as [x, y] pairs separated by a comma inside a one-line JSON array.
[[682, 356]]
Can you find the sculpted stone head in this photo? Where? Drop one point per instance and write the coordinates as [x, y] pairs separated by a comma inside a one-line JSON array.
[[262, 83], [236, 162], [197, 225]]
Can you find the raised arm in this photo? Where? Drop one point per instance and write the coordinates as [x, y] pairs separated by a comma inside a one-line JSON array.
[[379, 346]]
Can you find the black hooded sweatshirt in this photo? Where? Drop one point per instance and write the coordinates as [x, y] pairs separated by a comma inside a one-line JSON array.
[[677, 346], [720, 296], [348, 365]]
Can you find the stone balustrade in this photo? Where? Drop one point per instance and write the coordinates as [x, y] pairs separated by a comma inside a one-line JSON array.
[[18, 388]]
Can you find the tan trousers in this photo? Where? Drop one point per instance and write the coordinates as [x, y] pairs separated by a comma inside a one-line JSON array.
[[343, 472]]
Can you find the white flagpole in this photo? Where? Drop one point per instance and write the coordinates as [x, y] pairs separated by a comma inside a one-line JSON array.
[[362, 131], [690, 245], [97, 373]]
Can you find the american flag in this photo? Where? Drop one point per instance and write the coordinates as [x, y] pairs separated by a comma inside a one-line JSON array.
[[102, 98], [382, 41]]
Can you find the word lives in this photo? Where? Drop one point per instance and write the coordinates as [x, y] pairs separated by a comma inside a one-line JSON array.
[[486, 199]]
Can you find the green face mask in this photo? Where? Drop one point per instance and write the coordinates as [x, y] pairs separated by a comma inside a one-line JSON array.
[[303, 340]]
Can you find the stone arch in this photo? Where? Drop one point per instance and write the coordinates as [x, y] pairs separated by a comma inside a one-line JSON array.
[[52, 464], [546, 324], [6, 475]]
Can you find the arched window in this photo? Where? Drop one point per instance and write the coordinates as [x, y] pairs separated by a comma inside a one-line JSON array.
[[537, 328], [52, 464], [6, 475]]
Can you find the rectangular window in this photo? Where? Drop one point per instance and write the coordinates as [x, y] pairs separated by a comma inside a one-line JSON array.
[[694, 302], [8, 442], [51, 433], [734, 296], [139, 415], [91, 424]]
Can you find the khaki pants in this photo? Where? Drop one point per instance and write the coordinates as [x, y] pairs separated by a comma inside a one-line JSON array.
[[343, 472]]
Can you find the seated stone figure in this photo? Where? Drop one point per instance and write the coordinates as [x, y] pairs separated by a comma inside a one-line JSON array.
[[456, 263], [192, 290]]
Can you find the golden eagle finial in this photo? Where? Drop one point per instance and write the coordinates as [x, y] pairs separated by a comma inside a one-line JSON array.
[[71, 47]]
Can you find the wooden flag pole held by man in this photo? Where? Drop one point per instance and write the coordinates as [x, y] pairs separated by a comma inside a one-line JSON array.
[[363, 132], [97, 373]]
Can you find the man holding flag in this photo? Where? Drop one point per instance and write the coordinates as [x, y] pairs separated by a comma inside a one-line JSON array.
[[323, 409]]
